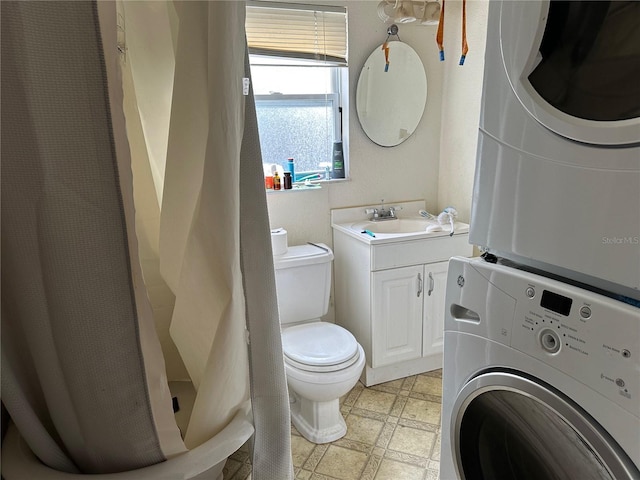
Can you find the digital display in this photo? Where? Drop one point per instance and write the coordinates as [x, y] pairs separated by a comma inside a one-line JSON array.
[[556, 303]]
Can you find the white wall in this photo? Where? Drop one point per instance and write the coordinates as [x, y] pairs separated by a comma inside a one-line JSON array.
[[434, 164], [461, 92]]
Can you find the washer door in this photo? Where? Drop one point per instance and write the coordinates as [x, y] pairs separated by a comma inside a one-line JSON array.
[[507, 426], [574, 66]]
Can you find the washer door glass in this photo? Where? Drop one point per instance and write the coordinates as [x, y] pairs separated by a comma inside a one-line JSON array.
[[506, 435], [517, 429]]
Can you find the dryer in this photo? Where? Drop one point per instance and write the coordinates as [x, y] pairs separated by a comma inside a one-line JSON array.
[[541, 379], [557, 183]]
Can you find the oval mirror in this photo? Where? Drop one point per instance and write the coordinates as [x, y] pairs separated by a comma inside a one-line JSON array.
[[391, 103]]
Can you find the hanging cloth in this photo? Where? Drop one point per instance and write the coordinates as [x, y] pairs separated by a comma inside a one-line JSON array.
[[223, 278], [385, 47], [269, 395], [214, 239], [440, 34], [77, 334], [465, 47]]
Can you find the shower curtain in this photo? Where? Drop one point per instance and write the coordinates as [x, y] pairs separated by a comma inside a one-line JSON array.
[[214, 244], [77, 335]]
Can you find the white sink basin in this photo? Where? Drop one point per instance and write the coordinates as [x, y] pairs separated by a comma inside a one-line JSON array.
[[399, 225], [408, 227]]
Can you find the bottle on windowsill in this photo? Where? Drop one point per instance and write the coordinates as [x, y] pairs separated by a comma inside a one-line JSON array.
[[338, 161], [291, 168], [276, 182]]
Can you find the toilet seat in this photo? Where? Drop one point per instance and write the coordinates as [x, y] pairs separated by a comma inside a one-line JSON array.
[[319, 347]]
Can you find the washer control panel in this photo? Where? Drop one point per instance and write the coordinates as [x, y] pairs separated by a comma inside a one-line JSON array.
[[590, 337], [593, 338]]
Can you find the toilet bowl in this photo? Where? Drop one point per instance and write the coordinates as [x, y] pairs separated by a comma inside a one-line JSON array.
[[319, 375], [323, 361]]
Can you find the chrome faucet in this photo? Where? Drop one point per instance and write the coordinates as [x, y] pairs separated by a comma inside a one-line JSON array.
[[381, 213]]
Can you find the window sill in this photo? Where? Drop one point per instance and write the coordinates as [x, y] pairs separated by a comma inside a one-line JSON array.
[[310, 187], [296, 188]]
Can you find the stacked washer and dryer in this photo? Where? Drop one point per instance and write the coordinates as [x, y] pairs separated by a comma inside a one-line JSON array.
[[541, 372]]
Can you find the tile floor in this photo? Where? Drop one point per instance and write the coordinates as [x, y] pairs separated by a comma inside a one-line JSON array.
[[393, 433]]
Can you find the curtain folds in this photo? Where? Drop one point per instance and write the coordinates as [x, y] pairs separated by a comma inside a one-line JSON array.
[[77, 337], [214, 245], [77, 326]]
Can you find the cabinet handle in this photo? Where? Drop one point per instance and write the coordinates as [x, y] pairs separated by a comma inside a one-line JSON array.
[[419, 284], [430, 284]]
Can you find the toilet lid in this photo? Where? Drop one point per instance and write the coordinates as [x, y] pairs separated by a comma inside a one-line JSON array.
[[319, 344]]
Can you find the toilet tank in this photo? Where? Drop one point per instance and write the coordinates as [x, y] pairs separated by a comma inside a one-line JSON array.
[[303, 282]]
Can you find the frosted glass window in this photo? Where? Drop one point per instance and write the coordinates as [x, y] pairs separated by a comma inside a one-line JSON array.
[[300, 81]]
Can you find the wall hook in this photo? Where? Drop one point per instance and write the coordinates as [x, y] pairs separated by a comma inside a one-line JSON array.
[[392, 30]]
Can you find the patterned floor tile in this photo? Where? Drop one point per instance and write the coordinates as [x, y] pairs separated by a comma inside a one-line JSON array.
[[371, 467], [412, 441], [301, 449], [342, 463], [433, 475], [408, 382], [393, 470], [390, 387], [393, 433], [398, 406], [315, 457], [406, 458], [380, 402], [422, 411], [363, 429], [385, 435], [428, 384], [435, 454]]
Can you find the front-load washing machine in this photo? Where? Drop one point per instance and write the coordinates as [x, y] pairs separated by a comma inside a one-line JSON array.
[[557, 182], [541, 379]]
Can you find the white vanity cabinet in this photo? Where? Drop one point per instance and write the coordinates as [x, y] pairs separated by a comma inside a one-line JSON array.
[[396, 315], [391, 296]]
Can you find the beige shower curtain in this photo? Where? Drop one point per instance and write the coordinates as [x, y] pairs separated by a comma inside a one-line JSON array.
[[77, 333], [214, 245]]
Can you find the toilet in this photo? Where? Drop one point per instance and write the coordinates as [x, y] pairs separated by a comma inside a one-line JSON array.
[[323, 361]]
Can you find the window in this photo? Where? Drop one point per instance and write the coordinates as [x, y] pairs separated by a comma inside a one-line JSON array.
[[299, 73]]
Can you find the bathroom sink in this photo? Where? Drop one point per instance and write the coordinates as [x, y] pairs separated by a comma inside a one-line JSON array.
[[400, 225], [408, 226]]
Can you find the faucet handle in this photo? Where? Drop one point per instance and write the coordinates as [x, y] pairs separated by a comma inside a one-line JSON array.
[[392, 211]]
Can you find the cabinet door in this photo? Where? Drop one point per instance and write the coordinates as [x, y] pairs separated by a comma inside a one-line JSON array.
[[435, 285], [396, 320]]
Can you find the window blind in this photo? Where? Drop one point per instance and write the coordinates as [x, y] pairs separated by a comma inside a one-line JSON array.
[[312, 32]]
